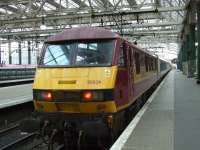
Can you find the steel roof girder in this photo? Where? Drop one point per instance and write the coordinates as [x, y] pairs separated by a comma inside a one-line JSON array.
[[52, 2], [78, 18], [86, 15], [50, 31]]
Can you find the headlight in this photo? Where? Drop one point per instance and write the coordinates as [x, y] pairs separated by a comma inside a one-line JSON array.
[[87, 96], [97, 95], [47, 96], [43, 95]]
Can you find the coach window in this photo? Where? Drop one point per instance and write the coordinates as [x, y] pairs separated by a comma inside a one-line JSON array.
[[137, 62], [154, 64], [150, 63], [153, 67], [146, 63]]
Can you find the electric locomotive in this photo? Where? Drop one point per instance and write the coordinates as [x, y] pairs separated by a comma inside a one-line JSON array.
[[88, 80]]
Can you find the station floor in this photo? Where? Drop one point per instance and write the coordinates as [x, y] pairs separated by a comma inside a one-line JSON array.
[[14, 95], [17, 80], [170, 122]]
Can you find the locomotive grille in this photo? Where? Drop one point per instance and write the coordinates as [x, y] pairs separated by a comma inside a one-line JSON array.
[[63, 96]]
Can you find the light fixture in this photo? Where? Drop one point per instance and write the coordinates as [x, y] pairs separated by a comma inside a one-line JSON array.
[[43, 26]]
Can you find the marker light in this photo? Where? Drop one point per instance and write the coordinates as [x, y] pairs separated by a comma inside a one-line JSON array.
[[87, 96], [48, 96]]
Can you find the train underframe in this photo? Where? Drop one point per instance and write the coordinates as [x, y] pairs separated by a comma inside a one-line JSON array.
[[74, 130]]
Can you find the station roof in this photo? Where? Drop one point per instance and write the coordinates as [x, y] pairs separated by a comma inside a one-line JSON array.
[[146, 21]]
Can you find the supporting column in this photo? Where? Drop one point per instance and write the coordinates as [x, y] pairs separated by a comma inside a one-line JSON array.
[[198, 40], [9, 52], [0, 55], [29, 52], [191, 40], [179, 63], [185, 54], [37, 53], [191, 52], [20, 52]]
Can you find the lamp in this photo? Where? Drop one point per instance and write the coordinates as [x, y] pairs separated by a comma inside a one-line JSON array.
[[43, 26]]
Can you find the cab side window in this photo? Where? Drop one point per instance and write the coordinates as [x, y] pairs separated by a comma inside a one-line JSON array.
[[121, 61]]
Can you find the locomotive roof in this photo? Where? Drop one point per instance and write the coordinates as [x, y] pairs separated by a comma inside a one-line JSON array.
[[83, 33], [88, 33]]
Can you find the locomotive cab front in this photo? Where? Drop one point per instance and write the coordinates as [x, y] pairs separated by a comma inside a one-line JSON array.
[[75, 72], [75, 83]]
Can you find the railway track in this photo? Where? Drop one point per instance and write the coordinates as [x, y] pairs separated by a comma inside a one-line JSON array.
[[12, 139], [12, 115], [18, 142], [60, 147], [3, 131], [10, 134]]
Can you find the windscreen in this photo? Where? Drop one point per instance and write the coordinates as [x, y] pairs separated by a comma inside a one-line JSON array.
[[90, 53]]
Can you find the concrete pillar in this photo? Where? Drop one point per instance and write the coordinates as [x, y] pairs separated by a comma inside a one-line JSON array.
[[20, 52], [191, 39], [185, 53], [191, 51], [29, 52], [0, 54], [37, 53], [198, 40], [179, 63], [9, 52]]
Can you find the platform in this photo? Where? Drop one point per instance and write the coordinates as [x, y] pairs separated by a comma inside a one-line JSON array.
[[14, 95], [16, 81], [170, 120]]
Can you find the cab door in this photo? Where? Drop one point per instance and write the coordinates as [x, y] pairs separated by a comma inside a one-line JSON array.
[[122, 85], [130, 68]]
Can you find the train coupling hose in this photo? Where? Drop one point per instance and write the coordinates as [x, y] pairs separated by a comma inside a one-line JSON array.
[[44, 127], [70, 136], [51, 140]]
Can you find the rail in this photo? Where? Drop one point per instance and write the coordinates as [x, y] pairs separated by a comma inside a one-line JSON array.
[[19, 141], [60, 147], [8, 129]]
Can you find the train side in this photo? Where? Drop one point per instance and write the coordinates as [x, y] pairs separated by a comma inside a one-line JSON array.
[[141, 71], [91, 79]]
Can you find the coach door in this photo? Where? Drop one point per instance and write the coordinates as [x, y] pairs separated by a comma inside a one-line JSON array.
[[130, 68]]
